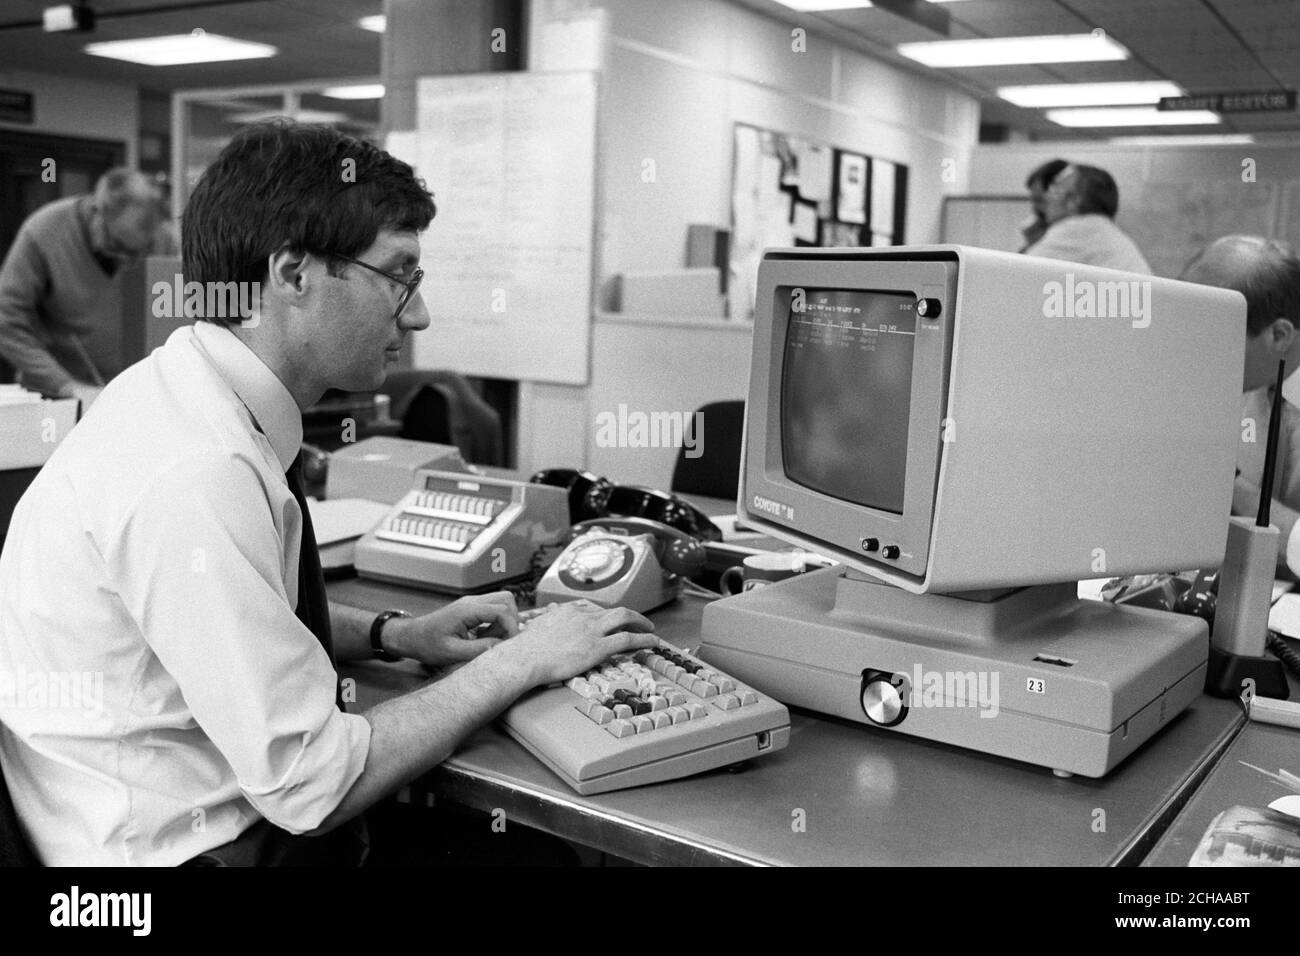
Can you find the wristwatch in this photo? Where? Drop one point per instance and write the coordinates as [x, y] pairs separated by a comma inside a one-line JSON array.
[[376, 632]]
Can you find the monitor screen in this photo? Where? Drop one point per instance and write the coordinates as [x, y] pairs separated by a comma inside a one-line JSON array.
[[846, 393]]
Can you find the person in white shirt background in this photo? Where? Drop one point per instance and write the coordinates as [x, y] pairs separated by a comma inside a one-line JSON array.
[[1079, 207], [155, 558], [1267, 273]]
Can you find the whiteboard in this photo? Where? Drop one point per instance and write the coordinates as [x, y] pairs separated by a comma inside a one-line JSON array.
[[510, 159]]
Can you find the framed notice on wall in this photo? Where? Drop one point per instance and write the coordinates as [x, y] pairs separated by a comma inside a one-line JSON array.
[[789, 191], [510, 159]]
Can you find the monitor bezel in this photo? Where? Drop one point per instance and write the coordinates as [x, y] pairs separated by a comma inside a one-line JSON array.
[[823, 522]]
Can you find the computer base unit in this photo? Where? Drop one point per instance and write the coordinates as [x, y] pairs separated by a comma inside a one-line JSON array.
[[1035, 674]]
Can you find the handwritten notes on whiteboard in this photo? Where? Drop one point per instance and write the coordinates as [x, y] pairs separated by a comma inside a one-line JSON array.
[[510, 158]]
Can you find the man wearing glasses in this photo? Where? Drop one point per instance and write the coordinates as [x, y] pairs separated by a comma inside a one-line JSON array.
[[60, 285], [165, 550]]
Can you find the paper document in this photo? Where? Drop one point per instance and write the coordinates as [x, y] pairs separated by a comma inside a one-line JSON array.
[[342, 519], [1285, 616]]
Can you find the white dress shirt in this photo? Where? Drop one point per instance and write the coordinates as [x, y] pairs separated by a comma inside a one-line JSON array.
[[1091, 239], [158, 694]]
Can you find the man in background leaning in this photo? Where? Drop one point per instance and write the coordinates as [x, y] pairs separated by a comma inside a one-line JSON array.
[[61, 284], [1079, 207], [1267, 273]]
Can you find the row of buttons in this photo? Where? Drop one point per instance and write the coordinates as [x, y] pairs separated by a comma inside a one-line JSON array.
[[889, 551], [467, 504], [699, 679], [427, 528], [628, 726]]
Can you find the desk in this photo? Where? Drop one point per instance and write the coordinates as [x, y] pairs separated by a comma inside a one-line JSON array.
[[1231, 784], [868, 797]]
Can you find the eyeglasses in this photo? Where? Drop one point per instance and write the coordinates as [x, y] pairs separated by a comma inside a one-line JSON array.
[[408, 285]]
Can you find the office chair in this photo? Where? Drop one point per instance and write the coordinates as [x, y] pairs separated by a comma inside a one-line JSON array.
[[441, 406], [716, 473], [14, 848]]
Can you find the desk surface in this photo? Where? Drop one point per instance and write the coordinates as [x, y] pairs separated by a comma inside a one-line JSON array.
[[1231, 783], [865, 796]]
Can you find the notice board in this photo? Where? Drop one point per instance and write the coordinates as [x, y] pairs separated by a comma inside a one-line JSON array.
[[510, 159]]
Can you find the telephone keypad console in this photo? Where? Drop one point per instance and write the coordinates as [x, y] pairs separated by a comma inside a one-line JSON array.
[[462, 533]]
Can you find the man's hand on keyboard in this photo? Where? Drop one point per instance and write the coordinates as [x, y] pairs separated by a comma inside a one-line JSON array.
[[458, 632], [572, 638]]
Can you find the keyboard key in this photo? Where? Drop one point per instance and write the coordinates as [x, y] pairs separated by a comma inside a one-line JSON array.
[[643, 724], [661, 719], [601, 715], [660, 665], [658, 703], [723, 683], [622, 711], [697, 711], [726, 702], [748, 697], [621, 728], [703, 688], [579, 686], [639, 707], [679, 715]]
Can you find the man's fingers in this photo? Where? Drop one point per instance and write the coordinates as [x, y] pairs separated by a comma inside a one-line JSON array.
[[501, 619], [625, 619], [621, 642], [504, 598]]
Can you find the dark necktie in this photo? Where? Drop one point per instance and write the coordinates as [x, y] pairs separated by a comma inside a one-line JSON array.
[[313, 606]]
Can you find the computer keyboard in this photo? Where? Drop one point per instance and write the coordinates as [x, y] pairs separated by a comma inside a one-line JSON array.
[[645, 717]]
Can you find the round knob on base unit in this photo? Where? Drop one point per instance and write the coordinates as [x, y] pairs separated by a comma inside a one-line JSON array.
[[882, 700]]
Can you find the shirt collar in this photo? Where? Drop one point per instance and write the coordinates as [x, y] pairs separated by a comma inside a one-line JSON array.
[[273, 409]]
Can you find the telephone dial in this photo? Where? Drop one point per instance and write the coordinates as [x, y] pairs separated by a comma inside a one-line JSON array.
[[622, 562]]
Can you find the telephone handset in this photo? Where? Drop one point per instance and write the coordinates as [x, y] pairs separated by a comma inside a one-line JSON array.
[[622, 562]]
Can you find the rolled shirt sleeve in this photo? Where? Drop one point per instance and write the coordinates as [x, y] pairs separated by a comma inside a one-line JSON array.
[[199, 564]]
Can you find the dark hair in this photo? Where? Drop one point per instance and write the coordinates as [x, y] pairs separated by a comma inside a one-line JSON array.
[[1044, 174], [1096, 191], [1269, 279], [310, 188]]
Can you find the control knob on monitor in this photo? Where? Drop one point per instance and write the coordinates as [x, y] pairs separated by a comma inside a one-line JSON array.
[[882, 700], [928, 308]]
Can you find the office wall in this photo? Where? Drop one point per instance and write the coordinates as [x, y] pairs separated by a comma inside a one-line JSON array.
[[68, 106], [681, 73], [1173, 199], [678, 75]]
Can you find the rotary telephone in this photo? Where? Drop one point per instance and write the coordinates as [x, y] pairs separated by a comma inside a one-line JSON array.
[[622, 562]]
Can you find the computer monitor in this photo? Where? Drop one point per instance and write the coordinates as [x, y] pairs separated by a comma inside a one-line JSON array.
[[977, 431]]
